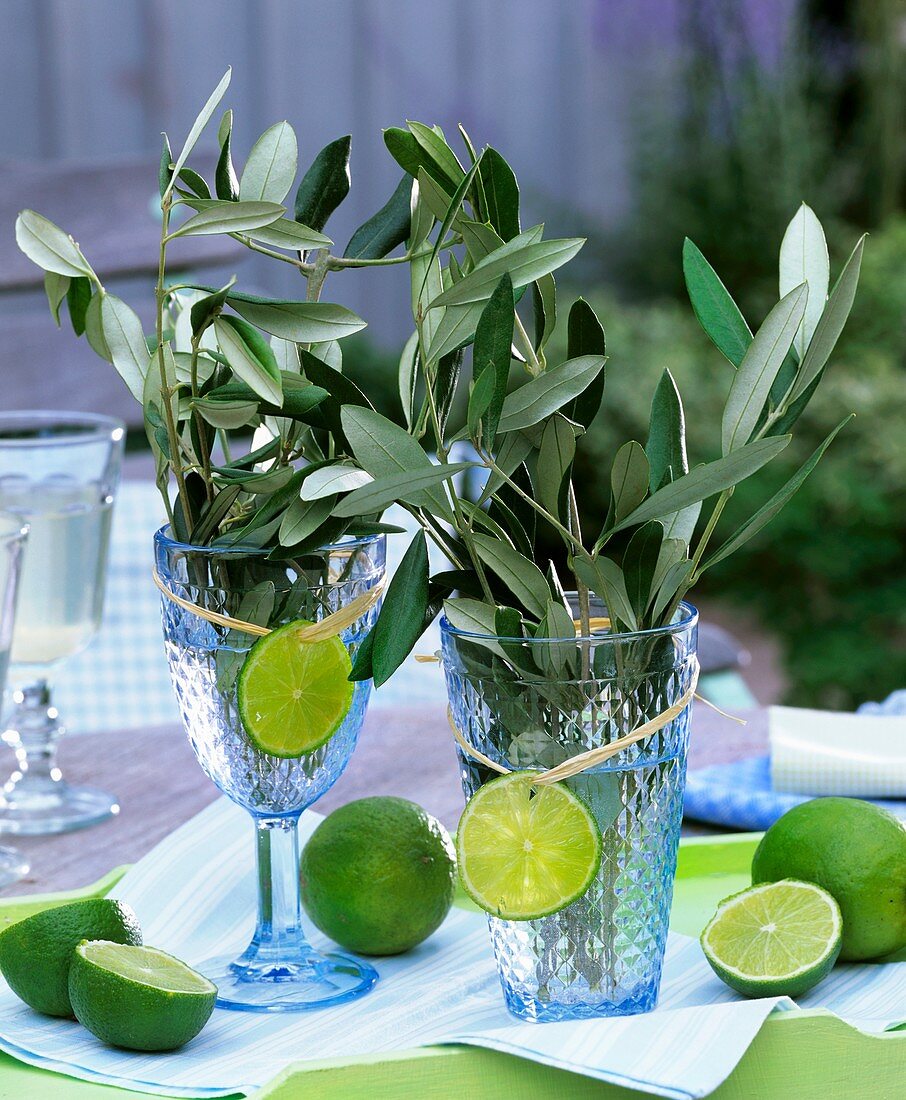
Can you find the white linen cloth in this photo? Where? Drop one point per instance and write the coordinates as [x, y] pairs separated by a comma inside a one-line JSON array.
[[195, 894], [821, 752]]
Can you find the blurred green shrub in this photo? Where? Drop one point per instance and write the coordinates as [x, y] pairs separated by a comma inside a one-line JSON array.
[[828, 576]]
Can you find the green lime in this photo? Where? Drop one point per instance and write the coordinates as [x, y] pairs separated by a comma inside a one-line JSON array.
[[526, 852], [36, 953], [378, 875], [857, 852], [138, 997], [293, 694], [775, 940]]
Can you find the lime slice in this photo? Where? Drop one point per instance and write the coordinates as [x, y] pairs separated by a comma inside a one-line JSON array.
[[138, 997], [293, 694], [526, 852], [36, 953], [779, 939]]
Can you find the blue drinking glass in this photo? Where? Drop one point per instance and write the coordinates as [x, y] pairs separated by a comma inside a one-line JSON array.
[[279, 971], [525, 703]]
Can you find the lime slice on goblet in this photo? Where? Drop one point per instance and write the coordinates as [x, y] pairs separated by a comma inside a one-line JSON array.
[[778, 939], [526, 851], [294, 694]]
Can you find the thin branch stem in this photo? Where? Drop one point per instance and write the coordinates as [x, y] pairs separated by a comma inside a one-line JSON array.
[[709, 531], [532, 362]]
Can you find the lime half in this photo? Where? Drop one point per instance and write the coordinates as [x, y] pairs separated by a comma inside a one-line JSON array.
[[526, 852], [779, 939], [138, 997], [294, 694]]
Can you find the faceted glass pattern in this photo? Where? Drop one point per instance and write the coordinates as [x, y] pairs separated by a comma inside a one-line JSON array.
[[602, 955]]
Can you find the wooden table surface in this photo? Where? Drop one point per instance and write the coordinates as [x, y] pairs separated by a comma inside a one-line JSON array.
[[160, 785], [107, 207]]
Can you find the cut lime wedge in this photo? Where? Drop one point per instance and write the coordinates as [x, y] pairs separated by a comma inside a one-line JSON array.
[[526, 852], [778, 939], [294, 694], [138, 997]]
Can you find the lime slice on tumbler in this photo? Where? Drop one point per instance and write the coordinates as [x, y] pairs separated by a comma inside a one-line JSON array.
[[138, 997], [526, 852], [778, 939], [294, 694]]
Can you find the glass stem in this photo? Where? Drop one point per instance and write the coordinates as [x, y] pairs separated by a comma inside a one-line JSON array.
[[278, 935], [34, 729]]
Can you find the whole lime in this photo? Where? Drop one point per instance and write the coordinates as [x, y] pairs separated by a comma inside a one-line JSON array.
[[854, 850], [378, 875], [36, 953]]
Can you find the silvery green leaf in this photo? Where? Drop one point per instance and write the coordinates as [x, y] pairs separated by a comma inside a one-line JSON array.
[[437, 150], [706, 480], [290, 236], [474, 617], [555, 457], [756, 373], [451, 213], [250, 357], [204, 366], [204, 116], [803, 259], [331, 353], [523, 265], [420, 217], [672, 550], [544, 303], [164, 169], [46, 245], [550, 391], [522, 577], [301, 322], [716, 311], [126, 342], [640, 563], [55, 287], [408, 376], [271, 167], [402, 618], [203, 310], [226, 184], [557, 658], [219, 216], [435, 198], [828, 329], [341, 477], [408, 486], [513, 449], [302, 518], [676, 579], [605, 578], [382, 448], [153, 396], [766, 513], [681, 524], [286, 353], [456, 329], [629, 479], [229, 413], [425, 279], [666, 446], [94, 331]]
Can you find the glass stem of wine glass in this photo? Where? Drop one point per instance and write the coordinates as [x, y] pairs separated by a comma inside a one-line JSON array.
[[33, 732], [278, 938]]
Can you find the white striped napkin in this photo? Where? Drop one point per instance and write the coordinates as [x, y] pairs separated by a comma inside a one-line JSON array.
[[821, 752], [194, 895]]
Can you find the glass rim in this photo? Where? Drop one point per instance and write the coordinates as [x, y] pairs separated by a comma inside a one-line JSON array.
[[98, 425], [161, 538], [689, 620]]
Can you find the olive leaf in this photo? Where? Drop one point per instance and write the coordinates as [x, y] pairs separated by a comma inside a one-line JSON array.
[[78, 295], [340, 477], [555, 458], [219, 216], [491, 355], [46, 245], [301, 322], [666, 446], [250, 357], [401, 621], [629, 479], [522, 577], [606, 578], [716, 311], [500, 193], [56, 288], [125, 341], [436, 150], [324, 185], [803, 259], [201, 121], [383, 231], [226, 185], [640, 562], [407, 486], [549, 392], [271, 166], [289, 235], [585, 336]]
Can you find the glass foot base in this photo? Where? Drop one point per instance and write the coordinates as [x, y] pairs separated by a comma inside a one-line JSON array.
[[527, 1007], [59, 809], [13, 866], [318, 981]]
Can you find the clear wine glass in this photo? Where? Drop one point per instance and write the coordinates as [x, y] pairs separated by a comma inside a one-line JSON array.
[[279, 971], [13, 533], [59, 471]]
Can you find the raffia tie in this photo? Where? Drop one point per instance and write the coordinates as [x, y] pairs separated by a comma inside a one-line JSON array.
[[590, 759], [328, 627]]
